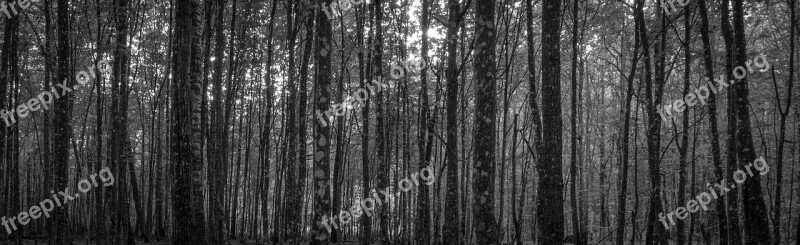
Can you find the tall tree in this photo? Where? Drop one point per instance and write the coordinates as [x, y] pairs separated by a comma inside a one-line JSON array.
[[712, 119], [218, 163], [266, 128], [9, 147], [485, 124], [62, 110], [755, 210], [451, 199], [655, 232], [121, 156], [683, 147], [187, 195], [550, 208], [573, 166], [784, 112], [624, 144], [426, 133], [322, 98]]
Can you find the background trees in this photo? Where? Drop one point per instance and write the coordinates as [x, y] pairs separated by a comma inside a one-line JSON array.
[[206, 120]]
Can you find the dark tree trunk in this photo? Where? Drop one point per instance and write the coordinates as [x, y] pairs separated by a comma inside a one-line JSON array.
[[684, 145], [655, 231], [623, 184], [451, 199], [188, 211], [61, 113], [217, 161], [322, 98], [755, 210], [712, 120], [264, 151], [121, 155], [733, 232], [576, 230], [426, 132], [550, 213], [485, 125]]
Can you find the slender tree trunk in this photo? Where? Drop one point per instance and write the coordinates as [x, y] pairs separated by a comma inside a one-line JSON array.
[[576, 230], [322, 196], [784, 113], [655, 231], [624, 144], [217, 160], [712, 107], [684, 145], [451, 199], [264, 142], [61, 114], [426, 133], [733, 231]]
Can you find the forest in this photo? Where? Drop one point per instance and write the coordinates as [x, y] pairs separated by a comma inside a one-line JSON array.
[[399, 122]]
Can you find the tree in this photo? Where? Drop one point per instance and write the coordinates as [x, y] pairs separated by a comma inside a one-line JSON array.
[[624, 144], [755, 210], [550, 206], [218, 162], [121, 155], [62, 110], [576, 231], [425, 136], [186, 150], [712, 120], [485, 124], [322, 98], [451, 200]]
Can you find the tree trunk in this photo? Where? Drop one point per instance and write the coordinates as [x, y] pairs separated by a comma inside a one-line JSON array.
[[755, 210], [655, 232], [576, 230], [624, 144], [264, 151], [217, 161], [61, 113], [485, 124], [550, 206], [451, 199], [322, 198], [426, 132], [684, 145], [712, 108], [784, 112], [188, 212], [733, 231]]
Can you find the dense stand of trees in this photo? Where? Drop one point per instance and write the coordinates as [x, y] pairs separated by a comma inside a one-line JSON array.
[[274, 122]]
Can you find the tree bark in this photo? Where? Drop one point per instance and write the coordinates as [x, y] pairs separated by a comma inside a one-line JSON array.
[[187, 194], [451, 199], [322, 198], [550, 206], [485, 124]]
